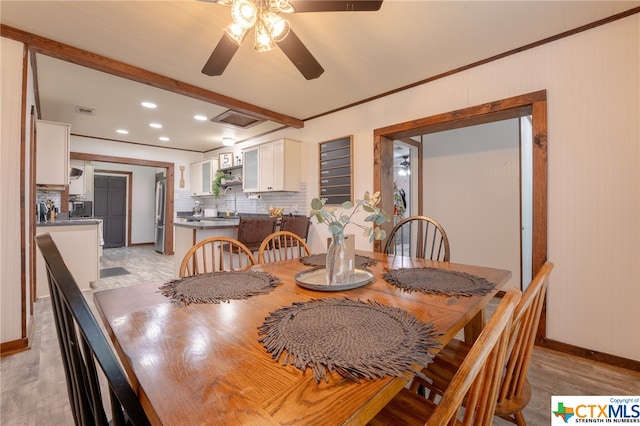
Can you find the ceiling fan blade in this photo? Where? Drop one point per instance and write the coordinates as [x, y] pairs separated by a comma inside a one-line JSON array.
[[220, 57], [335, 5], [298, 53]]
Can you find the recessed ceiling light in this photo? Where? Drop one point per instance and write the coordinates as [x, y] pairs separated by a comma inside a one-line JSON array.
[[156, 125], [150, 105], [200, 117], [164, 138], [122, 131]]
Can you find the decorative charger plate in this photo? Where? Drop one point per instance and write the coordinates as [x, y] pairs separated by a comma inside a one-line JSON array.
[[315, 279], [356, 339], [439, 281], [221, 286]]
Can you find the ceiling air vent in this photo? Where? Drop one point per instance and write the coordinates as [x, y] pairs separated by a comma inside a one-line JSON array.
[[236, 119], [85, 110]]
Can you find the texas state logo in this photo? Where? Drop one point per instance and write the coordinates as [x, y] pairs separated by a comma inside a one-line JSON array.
[[595, 409]]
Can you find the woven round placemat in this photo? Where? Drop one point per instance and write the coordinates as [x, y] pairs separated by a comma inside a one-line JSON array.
[[321, 260], [439, 281], [216, 287], [353, 338]]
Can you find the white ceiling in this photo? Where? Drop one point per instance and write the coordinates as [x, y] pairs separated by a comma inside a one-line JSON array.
[[364, 54]]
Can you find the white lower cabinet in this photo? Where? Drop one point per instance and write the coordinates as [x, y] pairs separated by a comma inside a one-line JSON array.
[[272, 167], [80, 249]]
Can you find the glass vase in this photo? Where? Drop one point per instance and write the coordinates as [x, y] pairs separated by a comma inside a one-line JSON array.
[[340, 259]]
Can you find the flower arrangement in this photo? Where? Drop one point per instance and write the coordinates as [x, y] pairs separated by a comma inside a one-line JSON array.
[[337, 221]]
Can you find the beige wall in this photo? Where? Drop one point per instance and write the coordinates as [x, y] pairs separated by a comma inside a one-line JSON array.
[[472, 187], [593, 87], [10, 191]]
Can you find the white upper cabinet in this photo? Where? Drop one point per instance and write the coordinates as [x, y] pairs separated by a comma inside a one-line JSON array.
[[52, 153], [272, 167], [77, 185], [201, 175], [250, 170]]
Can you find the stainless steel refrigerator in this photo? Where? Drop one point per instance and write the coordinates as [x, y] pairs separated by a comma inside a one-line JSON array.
[[161, 199]]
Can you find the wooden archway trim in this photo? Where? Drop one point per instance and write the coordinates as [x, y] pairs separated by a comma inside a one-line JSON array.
[[170, 169]]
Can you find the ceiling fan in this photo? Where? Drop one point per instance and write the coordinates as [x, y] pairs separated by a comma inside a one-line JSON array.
[[405, 166], [263, 16]]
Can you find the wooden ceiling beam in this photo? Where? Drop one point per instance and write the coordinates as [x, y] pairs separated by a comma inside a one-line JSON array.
[[94, 61]]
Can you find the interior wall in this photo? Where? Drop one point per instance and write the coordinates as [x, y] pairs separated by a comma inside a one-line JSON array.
[[29, 202], [11, 290], [472, 188], [593, 92], [526, 188]]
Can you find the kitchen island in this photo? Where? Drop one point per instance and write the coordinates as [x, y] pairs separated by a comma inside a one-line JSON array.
[[188, 232], [79, 243]]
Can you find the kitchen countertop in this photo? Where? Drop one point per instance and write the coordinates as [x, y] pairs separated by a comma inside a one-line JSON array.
[[188, 220], [209, 223], [70, 222]]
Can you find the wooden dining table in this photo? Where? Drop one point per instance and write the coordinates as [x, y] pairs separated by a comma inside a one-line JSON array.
[[204, 364]]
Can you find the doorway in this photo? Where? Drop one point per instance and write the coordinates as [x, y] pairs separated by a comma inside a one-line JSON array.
[[406, 187], [169, 173], [110, 205], [532, 104]]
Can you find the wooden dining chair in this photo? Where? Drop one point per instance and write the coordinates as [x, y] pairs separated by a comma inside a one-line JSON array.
[[299, 225], [216, 254], [515, 391], [476, 381], [82, 343], [253, 230], [282, 245], [420, 237]]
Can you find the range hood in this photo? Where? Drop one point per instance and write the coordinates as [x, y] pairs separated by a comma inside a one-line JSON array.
[[74, 172]]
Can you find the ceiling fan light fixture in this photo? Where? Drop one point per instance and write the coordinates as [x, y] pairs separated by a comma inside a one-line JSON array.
[[264, 43], [271, 30], [244, 13], [236, 33], [277, 27], [283, 6]]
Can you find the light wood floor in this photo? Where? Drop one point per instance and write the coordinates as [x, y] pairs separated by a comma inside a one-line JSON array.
[[33, 388]]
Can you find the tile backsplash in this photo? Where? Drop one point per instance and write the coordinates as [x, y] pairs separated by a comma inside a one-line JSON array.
[[42, 196], [291, 202]]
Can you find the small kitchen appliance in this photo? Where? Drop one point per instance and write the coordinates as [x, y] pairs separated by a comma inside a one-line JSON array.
[[197, 209], [42, 212], [82, 209]]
